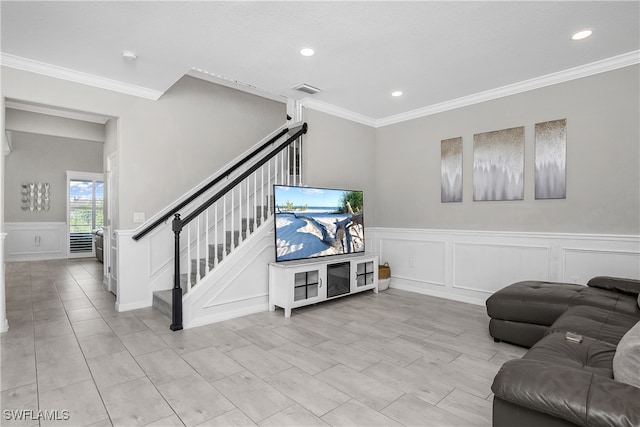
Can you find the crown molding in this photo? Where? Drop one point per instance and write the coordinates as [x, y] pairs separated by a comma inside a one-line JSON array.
[[609, 64], [49, 70], [337, 111], [58, 112]]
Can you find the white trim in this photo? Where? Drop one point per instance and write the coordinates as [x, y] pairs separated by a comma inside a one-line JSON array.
[[608, 64], [131, 306], [234, 84], [324, 107], [25, 64], [58, 112], [415, 232], [471, 274]]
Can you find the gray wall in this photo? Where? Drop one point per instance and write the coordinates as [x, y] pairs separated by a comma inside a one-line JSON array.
[[44, 158], [339, 153], [171, 145], [165, 147], [603, 152]]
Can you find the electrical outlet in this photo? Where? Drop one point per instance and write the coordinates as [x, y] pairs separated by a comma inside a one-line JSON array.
[[138, 217], [412, 262]]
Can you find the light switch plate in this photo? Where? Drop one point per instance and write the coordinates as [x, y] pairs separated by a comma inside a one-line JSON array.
[[138, 217]]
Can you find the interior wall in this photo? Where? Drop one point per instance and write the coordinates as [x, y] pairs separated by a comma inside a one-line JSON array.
[[44, 124], [170, 146], [603, 177], [339, 153], [166, 146], [45, 158]]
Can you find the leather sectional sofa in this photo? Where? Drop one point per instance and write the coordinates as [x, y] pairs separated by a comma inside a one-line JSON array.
[[583, 366]]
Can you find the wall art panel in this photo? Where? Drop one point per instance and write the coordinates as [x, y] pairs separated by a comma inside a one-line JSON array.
[[498, 165], [551, 159], [451, 170]]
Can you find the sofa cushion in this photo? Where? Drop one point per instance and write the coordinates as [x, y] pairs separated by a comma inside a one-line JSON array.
[[594, 322], [626, 362], [618, 284], [542, 303], [589, 355]]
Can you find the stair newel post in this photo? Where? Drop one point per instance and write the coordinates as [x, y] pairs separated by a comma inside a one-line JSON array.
[[176, 321]]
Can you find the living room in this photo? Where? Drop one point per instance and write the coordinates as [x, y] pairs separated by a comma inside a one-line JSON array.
[[463, 252]]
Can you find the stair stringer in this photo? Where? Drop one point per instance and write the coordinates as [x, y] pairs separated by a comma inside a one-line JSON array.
[[236, 287]]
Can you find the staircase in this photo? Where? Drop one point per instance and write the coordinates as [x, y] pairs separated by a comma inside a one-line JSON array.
[[162, 300], [212, 224]]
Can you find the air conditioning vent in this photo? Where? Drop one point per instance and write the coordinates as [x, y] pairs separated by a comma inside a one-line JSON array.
[[307, 89]]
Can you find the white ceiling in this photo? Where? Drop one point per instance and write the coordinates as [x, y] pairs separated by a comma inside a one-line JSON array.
[[434, 52]]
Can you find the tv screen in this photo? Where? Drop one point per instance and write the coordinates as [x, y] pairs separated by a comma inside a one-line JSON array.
[[316, 222]]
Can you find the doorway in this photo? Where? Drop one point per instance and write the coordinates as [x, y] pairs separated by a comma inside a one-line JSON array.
[[85, 211]]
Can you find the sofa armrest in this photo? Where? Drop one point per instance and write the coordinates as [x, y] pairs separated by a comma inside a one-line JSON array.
[[618, 284], [575, 395]]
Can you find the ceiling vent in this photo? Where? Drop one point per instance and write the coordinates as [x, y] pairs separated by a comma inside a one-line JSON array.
[[307, 89]]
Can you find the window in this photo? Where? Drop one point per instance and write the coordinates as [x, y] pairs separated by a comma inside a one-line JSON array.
[[86, 211]]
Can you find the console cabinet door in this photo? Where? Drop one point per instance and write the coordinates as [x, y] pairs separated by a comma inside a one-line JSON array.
[[309, 285]]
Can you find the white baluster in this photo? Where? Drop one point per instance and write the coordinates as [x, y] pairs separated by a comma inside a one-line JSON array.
[[255, 199], [198, 250], [215, 235], [188, 257], [224, 226], [248, 211], [239, 213], [233, 246], [206, 241]]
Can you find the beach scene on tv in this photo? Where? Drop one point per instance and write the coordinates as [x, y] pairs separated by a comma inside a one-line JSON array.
[[316, 222]]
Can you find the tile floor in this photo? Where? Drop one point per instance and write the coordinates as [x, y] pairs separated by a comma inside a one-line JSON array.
[[392, 359]]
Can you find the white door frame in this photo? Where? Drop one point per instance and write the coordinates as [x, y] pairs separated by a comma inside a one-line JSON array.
[[88, 176]]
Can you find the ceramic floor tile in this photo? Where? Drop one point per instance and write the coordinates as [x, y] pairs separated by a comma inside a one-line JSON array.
[[52, 329], [260, 362], [86, 328], [233, 418], [164, 366], [81, 400], [314, 395], [294, 416], [18, 399], [367, 390], [422, 386], [184, 341], [115, 368], [346, 355], [354, 413], [125, 325], [80, 314], [61, 371], [469, 407], [194, 400], [143, 342], [263, 337], [306, 359], [212, 364], [252, 395], [135, 403], [412, 411], [170, 421], [99, 345]]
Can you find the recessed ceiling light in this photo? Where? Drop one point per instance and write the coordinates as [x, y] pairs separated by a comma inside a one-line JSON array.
[[582, 34], [129, 56], [396, 93], [307, 51]]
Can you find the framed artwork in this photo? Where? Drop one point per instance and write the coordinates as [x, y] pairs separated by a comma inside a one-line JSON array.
[[498, 165], [451, 170], [551, 159]]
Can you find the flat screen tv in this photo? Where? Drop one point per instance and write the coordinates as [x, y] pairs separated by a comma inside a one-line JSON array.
[[316, 222]]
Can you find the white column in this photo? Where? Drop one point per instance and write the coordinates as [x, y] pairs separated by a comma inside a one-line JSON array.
[[4, 323]]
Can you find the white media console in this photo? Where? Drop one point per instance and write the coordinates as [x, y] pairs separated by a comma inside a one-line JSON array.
[[298, 283]]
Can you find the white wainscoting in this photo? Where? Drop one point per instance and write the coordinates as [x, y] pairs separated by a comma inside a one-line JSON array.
[[35, 241], [469, 266]]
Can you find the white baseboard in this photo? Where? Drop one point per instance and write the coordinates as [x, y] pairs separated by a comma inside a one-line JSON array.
[[226, 315], [132, 306]]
